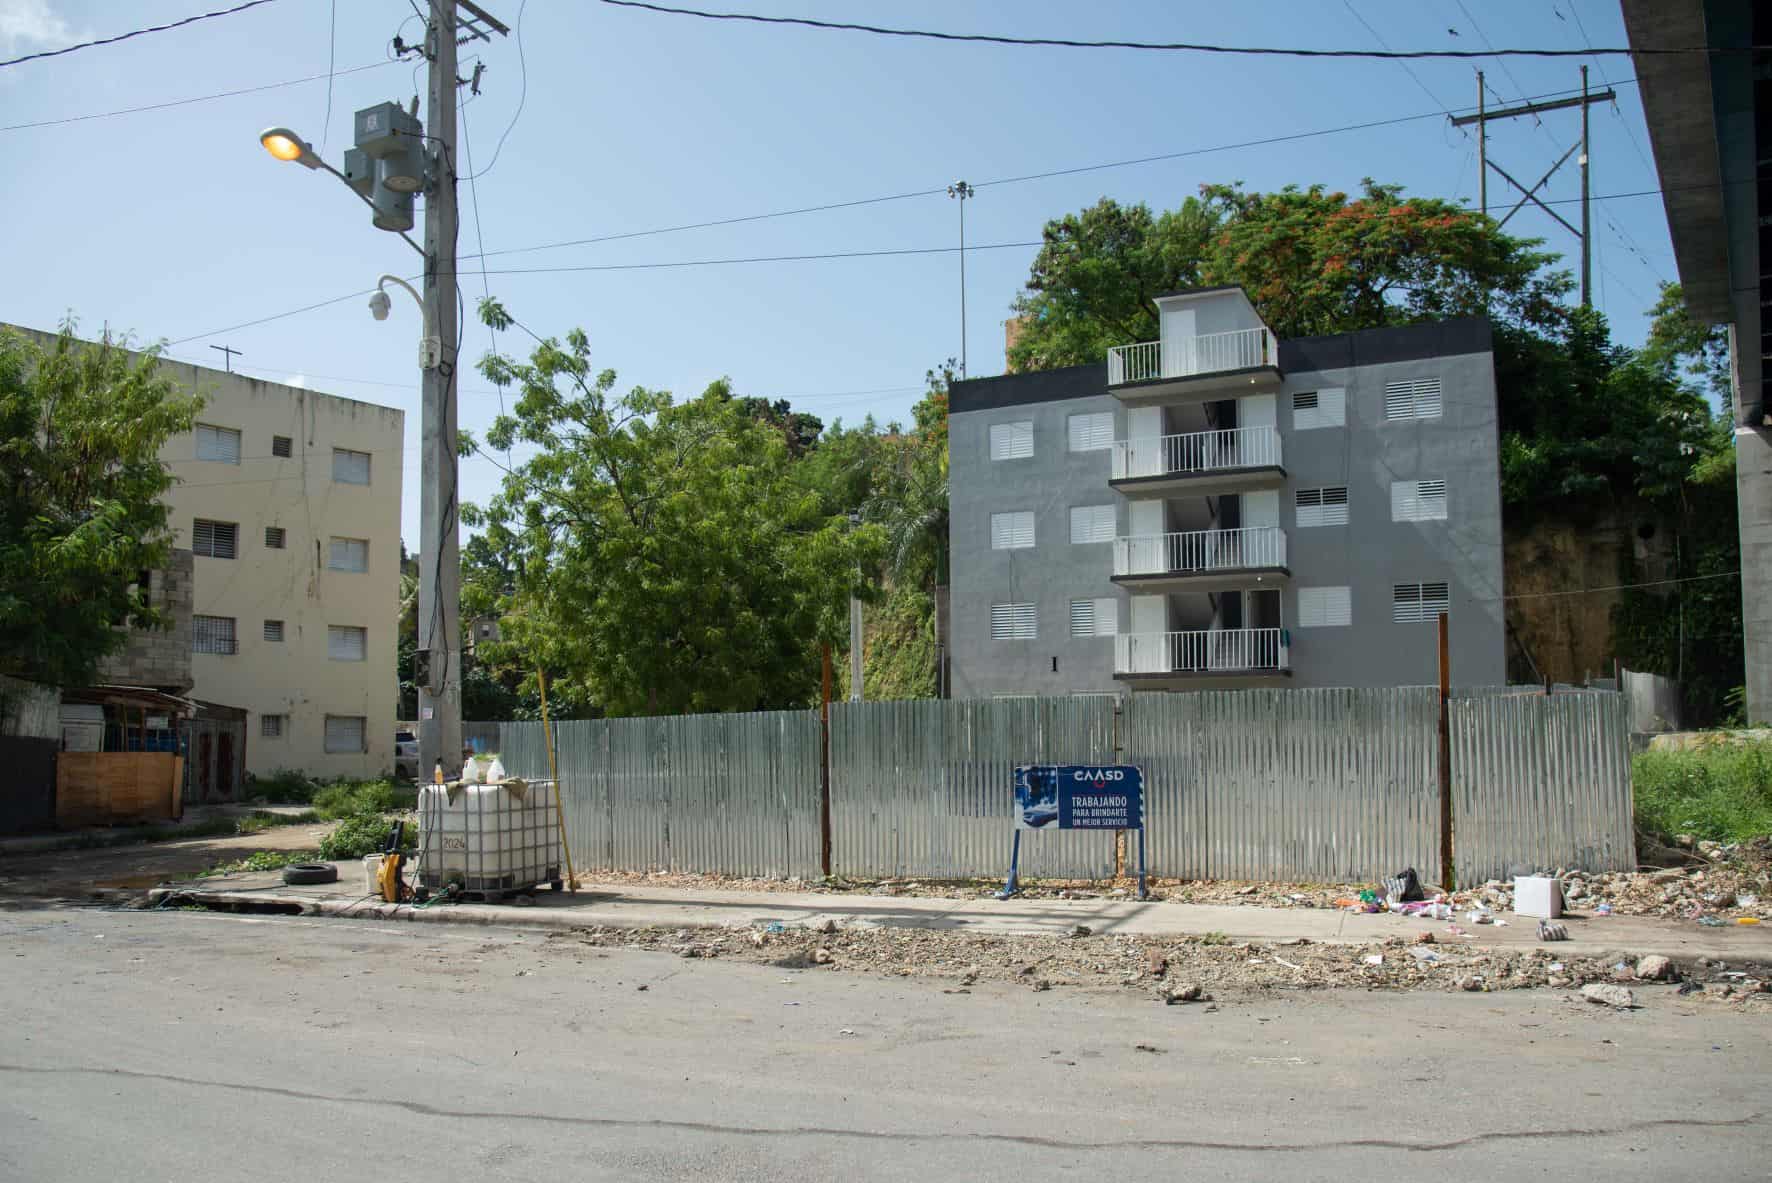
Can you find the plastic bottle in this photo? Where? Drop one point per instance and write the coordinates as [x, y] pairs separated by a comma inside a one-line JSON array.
[[495, 775], [437, 774]]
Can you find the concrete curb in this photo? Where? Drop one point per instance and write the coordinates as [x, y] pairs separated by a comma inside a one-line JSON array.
[[1680, 947]]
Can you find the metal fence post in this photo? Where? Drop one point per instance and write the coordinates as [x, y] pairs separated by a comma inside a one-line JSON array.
[[1446, 871], [824, 768]]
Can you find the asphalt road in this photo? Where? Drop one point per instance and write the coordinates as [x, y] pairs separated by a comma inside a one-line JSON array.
[[194, 1046]]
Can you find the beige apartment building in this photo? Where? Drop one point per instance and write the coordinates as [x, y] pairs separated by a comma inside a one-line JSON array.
[[289, 501], [284, 588]]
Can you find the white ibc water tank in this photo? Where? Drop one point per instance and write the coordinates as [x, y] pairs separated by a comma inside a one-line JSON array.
[[488, 838]]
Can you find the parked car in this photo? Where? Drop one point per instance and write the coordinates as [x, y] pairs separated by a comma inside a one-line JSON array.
[[406, 755]]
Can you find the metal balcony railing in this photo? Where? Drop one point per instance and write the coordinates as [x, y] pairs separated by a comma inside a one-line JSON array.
[[1185, 357], [1208, 651], [1200, 551], [1197, 453]]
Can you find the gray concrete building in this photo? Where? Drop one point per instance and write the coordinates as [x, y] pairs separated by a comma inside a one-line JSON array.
[[1221, 509], [1710, 126]]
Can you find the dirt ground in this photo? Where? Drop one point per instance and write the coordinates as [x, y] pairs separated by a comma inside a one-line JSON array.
[[1165, 967], [79, 874]]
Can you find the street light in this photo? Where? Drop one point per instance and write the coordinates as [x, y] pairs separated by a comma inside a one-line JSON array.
[[286, 145]]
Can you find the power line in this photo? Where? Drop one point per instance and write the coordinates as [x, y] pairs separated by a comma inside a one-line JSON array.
[[1181, 46], [937, 190], [1582, 591], [189, 20], [1382, 44], [331, 58], [522, 97], [878, 254], [202, 98]]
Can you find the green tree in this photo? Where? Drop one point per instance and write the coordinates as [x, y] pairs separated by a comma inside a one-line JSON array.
[[1092, 283], [81, 509], [666, 558], [1318, 261]]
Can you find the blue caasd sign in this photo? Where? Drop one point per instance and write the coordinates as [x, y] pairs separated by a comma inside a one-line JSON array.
[[1076, 797], [1079, 797]]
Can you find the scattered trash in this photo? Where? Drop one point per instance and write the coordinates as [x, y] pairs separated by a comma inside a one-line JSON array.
[[1603, 908], [1145, 1047], [1711, 921], [1690, 988], [1601, 994], [1424, 938], [1287, 964], [1081, 930], [1747, 920], [775, 926], [1373, 959], [847, 1031], [1745, 900], [1555, 967], [1421, 953], [1550, 930], [1184, 992]]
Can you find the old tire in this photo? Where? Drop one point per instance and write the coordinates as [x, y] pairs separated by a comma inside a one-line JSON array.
[[305, 874]]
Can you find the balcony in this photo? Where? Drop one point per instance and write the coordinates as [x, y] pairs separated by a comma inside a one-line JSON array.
[[1201, 462], [1201, 560], [1213, 365], [1234, 656]]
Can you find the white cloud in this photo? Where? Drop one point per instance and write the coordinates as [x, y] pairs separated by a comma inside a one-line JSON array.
[[32, 24]]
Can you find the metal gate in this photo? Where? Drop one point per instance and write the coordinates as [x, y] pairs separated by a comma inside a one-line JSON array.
[[215, 760]]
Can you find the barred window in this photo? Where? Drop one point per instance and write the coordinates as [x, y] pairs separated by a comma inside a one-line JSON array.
[[271, 726], [346, 642], [282, 445], [350, 468], [274, 630], [275, 537], [213, 634]]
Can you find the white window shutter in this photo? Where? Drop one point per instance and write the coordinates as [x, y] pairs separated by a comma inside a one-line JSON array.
[[1012, 441], [1412, 398], [1418, 501], [219, 444], [1319, 408], [1415, 603], [1091, 432], [346, 642], [1325, 607], [350, 468], [1013, 622], [1321, 507], [1092, 523], [1012, 530], [348, 554], [1095, 617], [345, 733]]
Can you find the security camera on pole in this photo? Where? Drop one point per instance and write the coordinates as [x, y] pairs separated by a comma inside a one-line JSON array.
[[394, 159]]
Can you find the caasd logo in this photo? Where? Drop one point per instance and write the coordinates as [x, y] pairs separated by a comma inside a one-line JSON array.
[[1099, 776]]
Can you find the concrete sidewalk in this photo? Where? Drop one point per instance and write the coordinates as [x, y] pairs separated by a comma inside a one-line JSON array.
[[628, 906]]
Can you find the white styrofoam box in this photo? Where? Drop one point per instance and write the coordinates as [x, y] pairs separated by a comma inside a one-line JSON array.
[[1538, 895], [372, 873]]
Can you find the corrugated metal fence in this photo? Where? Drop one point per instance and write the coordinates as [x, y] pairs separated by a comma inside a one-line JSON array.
[[1541, 782], [1303, 785], [734, 794], [923, 788]]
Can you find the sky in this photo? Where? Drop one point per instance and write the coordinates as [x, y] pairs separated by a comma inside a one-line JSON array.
[[594, 121]]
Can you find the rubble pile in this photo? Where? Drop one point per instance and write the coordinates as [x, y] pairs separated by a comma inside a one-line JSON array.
[[1183, 971], [1722, 882]]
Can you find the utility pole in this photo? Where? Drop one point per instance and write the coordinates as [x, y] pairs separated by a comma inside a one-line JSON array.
[[855, 629], [1587, 254], [439, 586], [962, 190], [1484, 117], [1482, 150]]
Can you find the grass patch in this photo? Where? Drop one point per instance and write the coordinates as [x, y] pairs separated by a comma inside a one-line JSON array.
[[363, 834], [260, 860], [1721, 791], [1213, 938], [357, 798], [283, 787]]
